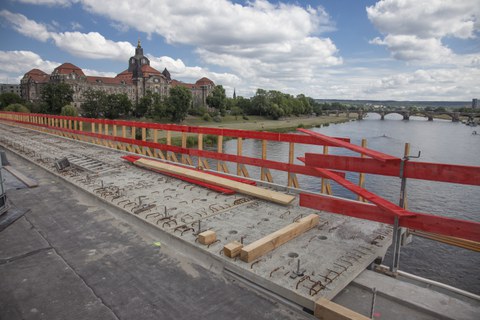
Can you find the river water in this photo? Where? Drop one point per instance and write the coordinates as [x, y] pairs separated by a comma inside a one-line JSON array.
[[439, 141]]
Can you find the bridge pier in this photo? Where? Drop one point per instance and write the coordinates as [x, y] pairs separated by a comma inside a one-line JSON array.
[[406, 116], [430, 118], [382, 116], [360, 115]]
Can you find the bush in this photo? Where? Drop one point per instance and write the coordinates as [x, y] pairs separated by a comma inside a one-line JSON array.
[[191, 141], [17, 107], [210, 139], [245, 117], [217, 119], [301, 125], [197, 111], [207, 117], [69, 111]]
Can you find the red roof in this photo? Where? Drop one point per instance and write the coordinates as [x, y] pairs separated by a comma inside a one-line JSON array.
[[176, 83], [125, 75], [204, 82], [37, 75], [147, 71], [68, 68], [108, 80]]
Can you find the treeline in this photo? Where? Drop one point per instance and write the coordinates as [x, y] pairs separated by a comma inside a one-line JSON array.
[[57, 99]]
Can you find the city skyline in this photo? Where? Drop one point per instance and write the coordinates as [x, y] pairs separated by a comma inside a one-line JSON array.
[[382, 50]]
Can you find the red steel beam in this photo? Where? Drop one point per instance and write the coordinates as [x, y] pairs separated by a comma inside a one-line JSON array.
[[464, 229], [416, 170], [237, 133], [339, 143], [386, 205], [275, 165]]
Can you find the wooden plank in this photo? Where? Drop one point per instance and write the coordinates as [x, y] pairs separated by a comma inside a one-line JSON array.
[[463, 229], [232, 249], [328, 310], [272, 241], [31, 183], [265, 194], [239, 153], [383, 157], [361, 178], [207, 237]]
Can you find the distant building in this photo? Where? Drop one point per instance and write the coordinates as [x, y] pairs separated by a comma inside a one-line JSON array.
[[13, 88], [135, 81], [474, 103]]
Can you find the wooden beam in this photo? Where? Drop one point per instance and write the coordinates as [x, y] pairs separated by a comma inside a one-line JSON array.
[[328, 310], [31, 183], [272, 241], [232, 249], [361, 178], [207, 237], [261, 193]]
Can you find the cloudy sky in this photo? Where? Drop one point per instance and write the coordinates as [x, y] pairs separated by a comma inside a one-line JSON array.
[[343, 49]]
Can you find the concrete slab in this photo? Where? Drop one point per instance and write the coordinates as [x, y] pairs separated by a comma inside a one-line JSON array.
[[79, 261], [332, 254]]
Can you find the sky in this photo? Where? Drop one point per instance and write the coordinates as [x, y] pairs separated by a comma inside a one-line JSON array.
[[325, 49]]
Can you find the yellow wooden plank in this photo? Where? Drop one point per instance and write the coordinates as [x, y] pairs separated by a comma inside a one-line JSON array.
[[361, 178], [255, 191], [239, 153], [328, 310], [272, 241]]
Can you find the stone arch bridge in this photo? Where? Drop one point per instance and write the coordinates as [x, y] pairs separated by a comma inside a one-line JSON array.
[[455, 116]]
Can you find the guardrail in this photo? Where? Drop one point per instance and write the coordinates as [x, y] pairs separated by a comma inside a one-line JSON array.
[[120, 134]]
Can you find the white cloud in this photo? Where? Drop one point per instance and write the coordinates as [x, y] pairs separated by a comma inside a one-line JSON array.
[[261, 42], [63, 3], [92, 45], [75, 25], [427, 19], [27, 27], [410, 48], [19, 62], [414, 29]]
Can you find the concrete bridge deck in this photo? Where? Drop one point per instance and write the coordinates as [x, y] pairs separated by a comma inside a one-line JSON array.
[[81, 255], [334, 253]]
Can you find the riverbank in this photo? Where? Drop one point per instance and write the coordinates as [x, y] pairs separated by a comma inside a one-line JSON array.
[[259, 123]]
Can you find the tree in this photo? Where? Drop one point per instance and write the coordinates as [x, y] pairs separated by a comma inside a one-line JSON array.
[[177, 103], [69, 111], [9, 98], [55, 96], [236, 111], [116, 105], [217, 99], [17, 107], [260, 103], [93, 100]]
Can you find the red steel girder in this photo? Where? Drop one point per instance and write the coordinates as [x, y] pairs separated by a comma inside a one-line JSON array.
[[416, 170], [464, 229], [339, 143], [383, 204]]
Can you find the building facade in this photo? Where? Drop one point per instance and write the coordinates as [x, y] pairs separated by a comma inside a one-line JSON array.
[[10, 88], [138, 79]]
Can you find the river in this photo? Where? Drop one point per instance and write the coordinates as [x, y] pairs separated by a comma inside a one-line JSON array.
[[439, 141]]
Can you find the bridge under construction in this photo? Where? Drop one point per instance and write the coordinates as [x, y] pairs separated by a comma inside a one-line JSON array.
[[303, 247]]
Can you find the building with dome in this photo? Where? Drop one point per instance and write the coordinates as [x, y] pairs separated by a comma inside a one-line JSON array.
[[135, 81]]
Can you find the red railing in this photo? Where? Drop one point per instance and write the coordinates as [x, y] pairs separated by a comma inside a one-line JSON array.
[[316, 165]]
